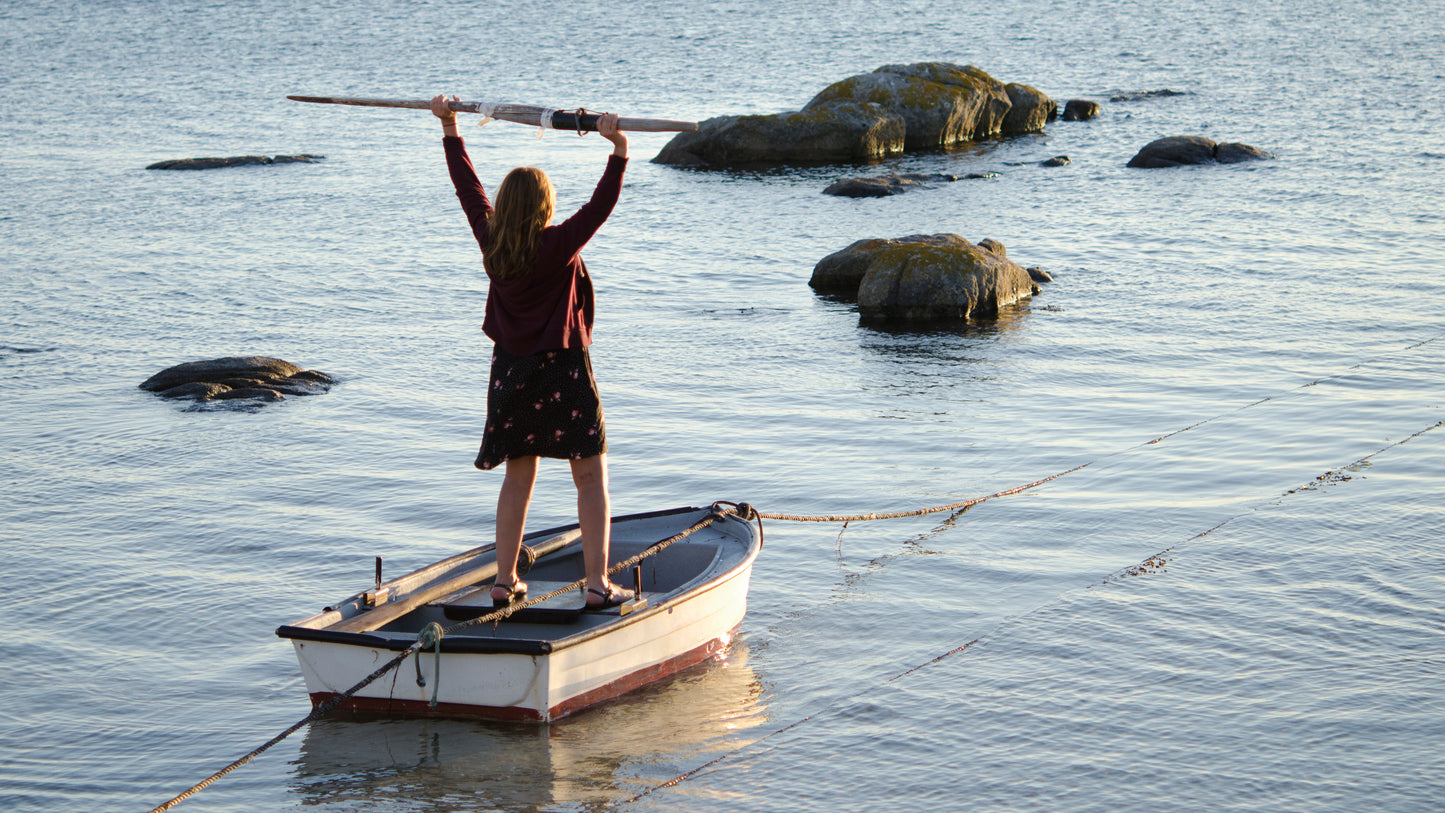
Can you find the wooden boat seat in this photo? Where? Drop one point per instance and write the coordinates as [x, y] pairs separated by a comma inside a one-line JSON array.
[[564, 609]]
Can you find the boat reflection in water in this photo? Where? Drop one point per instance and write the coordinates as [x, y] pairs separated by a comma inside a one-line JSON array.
[[596, 757]]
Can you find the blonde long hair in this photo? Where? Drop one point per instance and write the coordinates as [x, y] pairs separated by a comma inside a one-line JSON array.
[[525, 202]]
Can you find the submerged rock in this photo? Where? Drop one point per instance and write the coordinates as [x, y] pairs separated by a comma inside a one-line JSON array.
[[235, 161], [1174, 151], [895, 108], [256, 379], [924, 278], [884, 185], [1141, 95]]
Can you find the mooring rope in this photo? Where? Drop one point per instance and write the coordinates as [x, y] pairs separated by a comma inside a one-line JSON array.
[[1331, 476], [719, 511], [747, 513], [958, 506]]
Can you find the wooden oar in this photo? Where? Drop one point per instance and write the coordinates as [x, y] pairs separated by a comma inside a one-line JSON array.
[[575, 120]]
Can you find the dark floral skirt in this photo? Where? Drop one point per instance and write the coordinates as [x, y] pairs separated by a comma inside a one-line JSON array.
[[542, 405]]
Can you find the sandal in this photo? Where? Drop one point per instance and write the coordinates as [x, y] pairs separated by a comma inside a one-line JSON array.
[[516, 591], [614, 597]]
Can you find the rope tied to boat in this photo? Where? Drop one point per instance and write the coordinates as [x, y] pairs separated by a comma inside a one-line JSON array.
[[430, 637], [719, 511]]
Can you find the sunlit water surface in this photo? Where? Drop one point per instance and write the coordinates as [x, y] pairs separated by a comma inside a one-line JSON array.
[[1245, 614]]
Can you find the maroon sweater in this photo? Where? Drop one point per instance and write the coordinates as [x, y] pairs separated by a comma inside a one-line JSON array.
[[551, 307]]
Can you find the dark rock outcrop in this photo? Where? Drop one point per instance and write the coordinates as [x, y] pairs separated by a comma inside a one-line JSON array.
[[235, 161], [1234, 152], [1029, 110], [895, 108], [257, 379], [1057, 161], [1080, 110], [884, 185], [1174, 151], [924, 278], [1141, 95], [843, 132]]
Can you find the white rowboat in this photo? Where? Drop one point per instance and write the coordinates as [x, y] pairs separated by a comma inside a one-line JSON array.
[[545, 661]]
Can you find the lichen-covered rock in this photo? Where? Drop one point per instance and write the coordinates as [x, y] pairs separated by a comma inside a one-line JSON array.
[[941, 104], [1174, 151], [1029, 110], [841, 132], [235, 161], [924, 278], [940, 278], [249, 378], [925, 105], [841, 272]]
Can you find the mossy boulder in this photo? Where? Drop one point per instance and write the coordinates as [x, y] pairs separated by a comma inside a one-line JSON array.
[[924, 278], [941, 104], [256, 379], [925, 105]]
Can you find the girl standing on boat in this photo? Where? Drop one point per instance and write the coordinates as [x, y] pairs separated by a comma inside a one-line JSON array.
[[542, 400]]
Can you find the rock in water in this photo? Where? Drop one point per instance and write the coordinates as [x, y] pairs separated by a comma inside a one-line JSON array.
[[926, 105], [1176, 151], [1080, 110], [1029, 110], [248, 378], [235, 161], [885, 185], [843, 132], [1234, 152], [925, 278]]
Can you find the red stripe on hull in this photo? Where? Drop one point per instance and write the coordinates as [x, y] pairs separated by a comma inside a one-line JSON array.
[[386, 707]]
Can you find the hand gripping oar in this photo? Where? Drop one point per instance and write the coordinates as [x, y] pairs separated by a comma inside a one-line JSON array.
[[578, 120]]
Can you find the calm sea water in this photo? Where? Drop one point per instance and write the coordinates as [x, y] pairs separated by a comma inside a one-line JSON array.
[[1246, 614]]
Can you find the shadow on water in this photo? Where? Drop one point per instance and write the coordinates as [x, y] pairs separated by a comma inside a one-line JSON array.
[[938, 341], [589, 759]]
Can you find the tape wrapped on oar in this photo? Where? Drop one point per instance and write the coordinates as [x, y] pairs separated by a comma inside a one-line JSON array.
[[576, 120]]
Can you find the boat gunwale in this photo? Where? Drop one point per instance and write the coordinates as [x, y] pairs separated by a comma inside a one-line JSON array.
[[464, 644]]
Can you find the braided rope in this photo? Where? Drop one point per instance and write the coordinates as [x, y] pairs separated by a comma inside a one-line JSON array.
[[327, 707], [966, 504]]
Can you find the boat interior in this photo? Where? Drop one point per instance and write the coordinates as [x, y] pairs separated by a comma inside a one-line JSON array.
[[659, 580], [662, 576]]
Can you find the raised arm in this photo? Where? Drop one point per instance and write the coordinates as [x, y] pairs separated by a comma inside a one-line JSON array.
[[464, 176]]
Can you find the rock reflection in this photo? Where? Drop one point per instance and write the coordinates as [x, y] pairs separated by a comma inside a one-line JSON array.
[[910, 340], [584, 761]]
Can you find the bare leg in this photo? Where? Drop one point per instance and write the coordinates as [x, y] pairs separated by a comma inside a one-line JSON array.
[[594, 515], [512, 503]]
